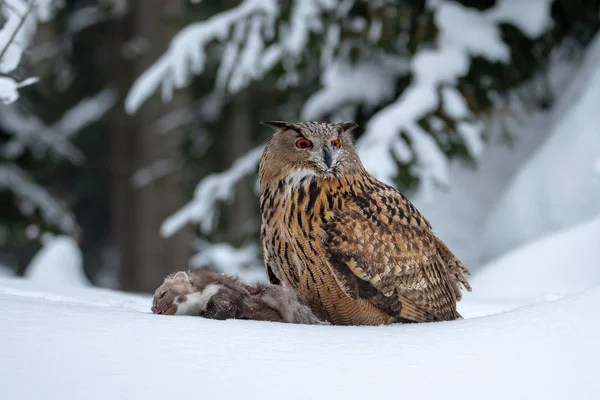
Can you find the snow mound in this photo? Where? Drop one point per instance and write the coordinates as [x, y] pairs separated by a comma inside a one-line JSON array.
[[59, 262], [554, 266], [549, 265]]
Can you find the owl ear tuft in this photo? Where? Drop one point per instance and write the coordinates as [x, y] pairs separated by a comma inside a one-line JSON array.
[[279, 124], [348, 126]]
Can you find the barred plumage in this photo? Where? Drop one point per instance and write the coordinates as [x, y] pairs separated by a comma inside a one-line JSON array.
[[355, 248]]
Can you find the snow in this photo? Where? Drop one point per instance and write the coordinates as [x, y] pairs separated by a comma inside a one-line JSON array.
[[454, 104], [471, 30], [557, 187], [59, 261], [158, 169], [478, 32], [532, 16], [471, 134], [87, 111], [8, 90], [560, 264], [305, 19], [72, 343], [173, 120]]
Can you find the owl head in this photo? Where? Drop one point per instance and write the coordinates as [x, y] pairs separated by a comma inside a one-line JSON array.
[[299, 149]]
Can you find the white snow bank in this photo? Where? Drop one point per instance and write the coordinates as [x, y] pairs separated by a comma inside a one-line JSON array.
[[59, 262], [96, 344], [558, 186], [554, 266]]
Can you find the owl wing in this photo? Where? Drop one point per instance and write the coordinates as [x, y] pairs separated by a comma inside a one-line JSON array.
[[385, 252]]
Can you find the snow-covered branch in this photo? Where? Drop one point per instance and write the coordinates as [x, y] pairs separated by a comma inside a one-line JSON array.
[[186, 53], [20, 23], [211, 190], [463, 32], [248, 32], [365, 82], [29, 132], [33, 196]]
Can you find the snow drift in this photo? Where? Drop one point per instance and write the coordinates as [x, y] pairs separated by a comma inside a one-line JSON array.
[[59, 261], [74, 347]]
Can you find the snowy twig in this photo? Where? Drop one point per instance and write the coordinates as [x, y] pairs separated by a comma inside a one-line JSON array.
[[19, 26], [15, 36]]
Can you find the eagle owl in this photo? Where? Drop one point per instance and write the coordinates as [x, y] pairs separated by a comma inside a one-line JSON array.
[[357, 250]]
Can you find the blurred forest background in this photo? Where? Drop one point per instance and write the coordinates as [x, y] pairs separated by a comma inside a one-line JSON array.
[[140, 137]]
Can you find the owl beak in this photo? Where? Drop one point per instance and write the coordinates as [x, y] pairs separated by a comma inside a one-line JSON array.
[[327, 157]]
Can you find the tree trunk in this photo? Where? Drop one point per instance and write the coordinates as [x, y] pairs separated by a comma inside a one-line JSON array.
[[123, 135], [144, 256], [237, 134]]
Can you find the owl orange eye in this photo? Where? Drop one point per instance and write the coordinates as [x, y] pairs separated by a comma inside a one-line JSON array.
[[336, 143], [303, 143]]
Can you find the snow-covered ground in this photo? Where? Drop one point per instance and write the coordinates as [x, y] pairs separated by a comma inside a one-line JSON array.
[[518, 340]]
